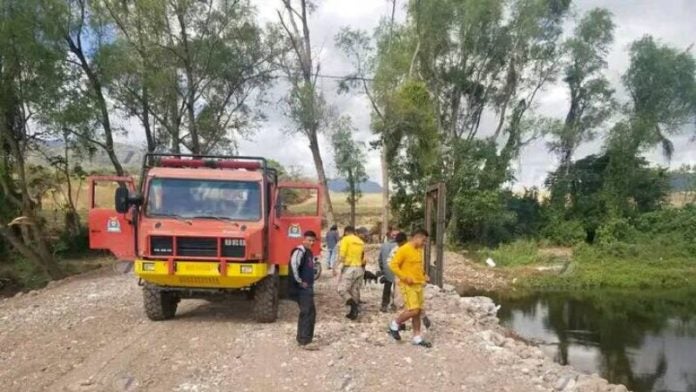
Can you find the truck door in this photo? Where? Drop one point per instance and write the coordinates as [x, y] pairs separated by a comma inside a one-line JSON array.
[[107, 228], [297, 208]]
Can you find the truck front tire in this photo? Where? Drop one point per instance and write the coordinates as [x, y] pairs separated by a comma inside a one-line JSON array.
[[159, 304], [265, 302]]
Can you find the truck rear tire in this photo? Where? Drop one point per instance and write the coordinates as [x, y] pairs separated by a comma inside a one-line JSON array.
[[265, 305], [159, 304]]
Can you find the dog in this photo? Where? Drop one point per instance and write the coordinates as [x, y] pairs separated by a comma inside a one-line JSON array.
[[371, 276]]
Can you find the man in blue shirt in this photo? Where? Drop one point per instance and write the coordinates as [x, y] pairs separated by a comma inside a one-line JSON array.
[[302, 289], [386, 252], [331, 242]]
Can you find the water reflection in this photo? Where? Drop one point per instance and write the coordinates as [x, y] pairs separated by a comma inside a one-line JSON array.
[[646, 341]]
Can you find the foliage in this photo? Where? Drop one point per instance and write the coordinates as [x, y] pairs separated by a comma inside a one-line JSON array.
[[528, 212], [410, 115], [483, 217], [599, 188], [662, 83], [218, 49], [591, 100], [624, 266], [564, 232], [615, 230]]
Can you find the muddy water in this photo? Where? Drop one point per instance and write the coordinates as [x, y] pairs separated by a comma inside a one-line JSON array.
[[645, 340]]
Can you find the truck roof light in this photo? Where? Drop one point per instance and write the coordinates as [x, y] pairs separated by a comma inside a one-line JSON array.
[[215, 164]]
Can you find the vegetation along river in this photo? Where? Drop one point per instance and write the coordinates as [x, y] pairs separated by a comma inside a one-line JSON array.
[[644, 340]]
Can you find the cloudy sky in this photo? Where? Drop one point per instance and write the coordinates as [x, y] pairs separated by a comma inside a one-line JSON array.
[[671, 21]]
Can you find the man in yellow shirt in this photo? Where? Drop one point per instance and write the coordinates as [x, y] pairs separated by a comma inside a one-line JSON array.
[[407, 265], [351, 256]]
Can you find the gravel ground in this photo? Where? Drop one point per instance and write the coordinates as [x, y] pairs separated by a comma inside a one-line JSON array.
[[89, 333]]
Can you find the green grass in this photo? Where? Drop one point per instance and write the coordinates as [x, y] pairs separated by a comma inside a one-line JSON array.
[[649, 263], [517, 253]]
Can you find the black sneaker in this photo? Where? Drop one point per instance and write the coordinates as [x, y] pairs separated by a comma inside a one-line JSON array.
[[426, 322], [353, 314], [423, 343], [395, 334]]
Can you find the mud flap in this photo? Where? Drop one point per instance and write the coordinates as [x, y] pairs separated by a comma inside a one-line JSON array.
[[109, 229]]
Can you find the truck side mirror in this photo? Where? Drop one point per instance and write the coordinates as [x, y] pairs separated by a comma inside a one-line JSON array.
[[122, 200]]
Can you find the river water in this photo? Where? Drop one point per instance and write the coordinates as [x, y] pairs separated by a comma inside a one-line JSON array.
[[644, 340]]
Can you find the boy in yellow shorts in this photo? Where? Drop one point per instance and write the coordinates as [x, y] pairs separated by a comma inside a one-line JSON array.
[[407, 265]]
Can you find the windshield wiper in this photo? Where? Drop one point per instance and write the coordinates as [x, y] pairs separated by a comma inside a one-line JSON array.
[[222, 218], [175, 216]]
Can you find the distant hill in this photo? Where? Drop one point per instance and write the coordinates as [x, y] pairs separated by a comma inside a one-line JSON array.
[[130, 156], [340, 185], [681, 182]]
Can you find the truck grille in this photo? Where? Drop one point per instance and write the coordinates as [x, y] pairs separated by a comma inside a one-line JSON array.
[[233, 247], [161, 246], [196, 246]]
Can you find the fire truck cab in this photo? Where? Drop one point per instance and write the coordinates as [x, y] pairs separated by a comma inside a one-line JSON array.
[[197, 226]]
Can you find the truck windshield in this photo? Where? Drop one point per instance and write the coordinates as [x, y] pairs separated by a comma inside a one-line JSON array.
[[204, 199]]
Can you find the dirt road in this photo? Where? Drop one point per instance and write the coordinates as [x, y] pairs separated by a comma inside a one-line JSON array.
[[89, 333]]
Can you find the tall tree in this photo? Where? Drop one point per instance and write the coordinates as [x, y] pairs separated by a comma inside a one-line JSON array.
[[31, 76], [371, 76], [349, 157], [221, 53], [484, 64], [84, 32], [591, 100], [661, 81], [306, 104]]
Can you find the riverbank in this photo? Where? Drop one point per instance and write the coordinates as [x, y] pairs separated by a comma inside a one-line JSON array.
[[100, 340], [533, 266]]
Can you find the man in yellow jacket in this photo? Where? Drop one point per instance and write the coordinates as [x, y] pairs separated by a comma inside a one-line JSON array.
[[351, 256], [407, 265]]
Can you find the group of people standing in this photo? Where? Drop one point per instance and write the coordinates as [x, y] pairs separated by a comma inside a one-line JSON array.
[[401, 264]]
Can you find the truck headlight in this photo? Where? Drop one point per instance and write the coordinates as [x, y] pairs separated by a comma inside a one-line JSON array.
[[149, 267]]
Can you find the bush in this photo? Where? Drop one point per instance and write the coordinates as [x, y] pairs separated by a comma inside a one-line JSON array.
[[615, 230], [482, 218], [73, 244], [564, 232], [677, 221]]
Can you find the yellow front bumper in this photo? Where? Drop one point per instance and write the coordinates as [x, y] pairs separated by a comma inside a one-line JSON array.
[[201, 274]]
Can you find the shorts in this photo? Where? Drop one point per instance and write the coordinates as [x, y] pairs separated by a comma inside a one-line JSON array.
[[412, 295]]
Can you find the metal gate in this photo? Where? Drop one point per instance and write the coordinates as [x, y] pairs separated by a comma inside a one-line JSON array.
[[435, 204]]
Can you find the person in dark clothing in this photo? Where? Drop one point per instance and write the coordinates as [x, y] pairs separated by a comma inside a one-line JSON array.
[[331, 242], [302, 289], [386, 252]]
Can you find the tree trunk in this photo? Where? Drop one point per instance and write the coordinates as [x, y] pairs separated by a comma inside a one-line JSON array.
[[49, 268], [319, 165], [175, 129], [351, 199], [385, 193], [146, 121], [95, 83], [190, 86]]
